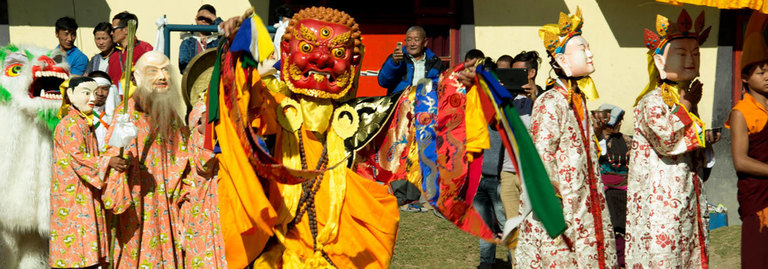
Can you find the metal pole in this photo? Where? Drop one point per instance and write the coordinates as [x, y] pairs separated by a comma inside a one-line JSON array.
[[193, 28]]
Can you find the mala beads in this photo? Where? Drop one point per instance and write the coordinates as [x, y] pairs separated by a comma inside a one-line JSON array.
[[308, 190]]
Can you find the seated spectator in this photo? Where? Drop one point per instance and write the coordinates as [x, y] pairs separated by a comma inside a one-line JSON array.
[[66, 33], [119, 37], [410, 63], [195, 43], [102, 36]]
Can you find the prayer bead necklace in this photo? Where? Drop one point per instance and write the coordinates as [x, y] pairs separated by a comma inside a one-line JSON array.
[[309, 189]]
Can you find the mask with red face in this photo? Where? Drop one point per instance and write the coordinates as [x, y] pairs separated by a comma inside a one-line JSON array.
[[320, 58]]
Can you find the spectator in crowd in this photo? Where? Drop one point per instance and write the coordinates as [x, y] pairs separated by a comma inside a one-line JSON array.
[[66, 33], [487, 200], [505, 61], [510, 185], [614, 160], [284, 15], [195, 43], [750, 152], [105, 101], [102, 36], [410, 63], [119, 37], [529, 60], [473, 54]]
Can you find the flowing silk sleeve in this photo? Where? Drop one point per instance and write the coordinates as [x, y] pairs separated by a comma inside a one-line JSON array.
[[116, 194], [670, 131], [247, 216], [476, 126], [71, 143]]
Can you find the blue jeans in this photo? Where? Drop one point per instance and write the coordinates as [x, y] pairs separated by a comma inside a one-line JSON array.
[[488, 204]]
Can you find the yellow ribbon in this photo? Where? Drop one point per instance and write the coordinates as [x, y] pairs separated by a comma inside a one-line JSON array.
[[587, 86], [653, 77], [64, 109]]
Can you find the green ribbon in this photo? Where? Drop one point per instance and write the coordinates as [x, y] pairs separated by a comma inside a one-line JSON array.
[[213, 87]]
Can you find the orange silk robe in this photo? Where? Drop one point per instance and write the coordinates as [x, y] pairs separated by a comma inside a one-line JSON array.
[[357, 218]]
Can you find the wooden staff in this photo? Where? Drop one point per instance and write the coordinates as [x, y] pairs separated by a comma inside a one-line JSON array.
[[126, 80]]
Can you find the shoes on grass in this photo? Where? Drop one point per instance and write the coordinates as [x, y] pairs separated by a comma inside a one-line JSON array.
[[413, 207]]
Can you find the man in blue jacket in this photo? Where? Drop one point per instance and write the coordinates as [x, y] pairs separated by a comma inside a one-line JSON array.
[[410, 63]]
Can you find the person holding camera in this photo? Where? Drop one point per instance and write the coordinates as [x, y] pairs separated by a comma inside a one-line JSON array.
[[410, 62], [527, 64]]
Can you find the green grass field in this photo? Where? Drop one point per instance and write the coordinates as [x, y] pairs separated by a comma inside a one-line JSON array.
[[426, 241]]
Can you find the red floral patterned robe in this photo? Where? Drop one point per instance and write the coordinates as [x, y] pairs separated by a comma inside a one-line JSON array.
[[667, 219], [588, 241], [78, 226]]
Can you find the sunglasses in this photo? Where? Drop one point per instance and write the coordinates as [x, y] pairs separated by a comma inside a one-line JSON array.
[[204, 19]]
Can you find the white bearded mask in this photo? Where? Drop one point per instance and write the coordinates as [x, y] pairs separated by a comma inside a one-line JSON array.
[[152, 72]]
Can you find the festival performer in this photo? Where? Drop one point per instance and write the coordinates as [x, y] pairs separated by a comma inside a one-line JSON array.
[[318, 212], [303, 207], [667, 225], [78, 226], [199, 228], [29, 102], [146, 202], [562, 131]]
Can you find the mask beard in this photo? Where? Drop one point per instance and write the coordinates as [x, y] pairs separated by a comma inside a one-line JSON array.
[[160, 105]]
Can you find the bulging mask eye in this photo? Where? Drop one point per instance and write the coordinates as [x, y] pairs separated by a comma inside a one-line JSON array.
[[325, 32], [13, 70], [338, 52], [305, 47]]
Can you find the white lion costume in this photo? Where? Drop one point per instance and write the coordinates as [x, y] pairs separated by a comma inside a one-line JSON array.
[[29, 100]]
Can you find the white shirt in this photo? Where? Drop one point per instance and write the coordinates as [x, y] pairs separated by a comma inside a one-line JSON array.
[[113, 100], [103, 64], [101, 130]]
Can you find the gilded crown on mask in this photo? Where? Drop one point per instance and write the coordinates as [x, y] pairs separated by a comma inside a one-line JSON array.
[[556, 35], [666, 31]]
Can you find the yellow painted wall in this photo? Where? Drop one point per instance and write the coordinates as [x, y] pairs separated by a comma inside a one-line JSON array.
[[614, 30], [31, 22]]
